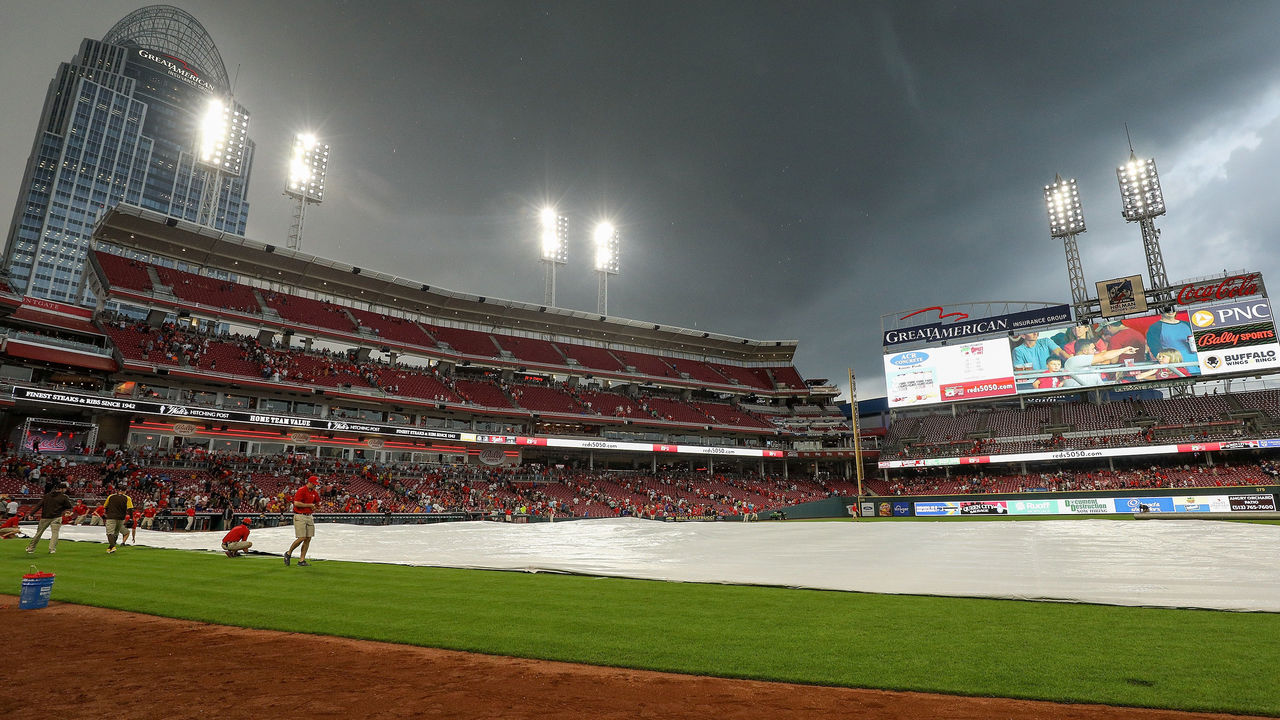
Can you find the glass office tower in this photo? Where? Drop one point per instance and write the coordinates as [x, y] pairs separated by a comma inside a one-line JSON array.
[[121, 123]]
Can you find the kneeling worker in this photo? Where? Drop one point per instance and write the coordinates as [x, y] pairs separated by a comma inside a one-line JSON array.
[[237, 541]]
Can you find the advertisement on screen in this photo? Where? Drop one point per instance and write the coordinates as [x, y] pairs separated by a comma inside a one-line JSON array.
[[947, 374], [1246, 359], [1180, 343]]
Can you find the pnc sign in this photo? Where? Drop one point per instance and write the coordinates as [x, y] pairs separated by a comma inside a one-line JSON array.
[[1239, 313]]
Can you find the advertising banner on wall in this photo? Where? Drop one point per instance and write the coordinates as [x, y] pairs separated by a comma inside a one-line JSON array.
[[1259, 357], [1082, 454], [1234, 287], [950, 373], [1231, 314], [1099, 506], [1122, 296], [995, 325]]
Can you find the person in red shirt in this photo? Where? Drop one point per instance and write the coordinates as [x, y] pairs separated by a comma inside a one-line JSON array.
[[136, 520], [304, 522], [9, 528], [148, 517], [191, 518], [82, 513], [237, 541], [98, 515]]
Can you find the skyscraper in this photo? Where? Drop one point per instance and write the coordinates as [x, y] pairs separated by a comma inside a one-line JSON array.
[[143, 116]]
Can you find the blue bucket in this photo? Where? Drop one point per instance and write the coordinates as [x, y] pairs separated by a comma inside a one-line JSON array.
[[36, 589]]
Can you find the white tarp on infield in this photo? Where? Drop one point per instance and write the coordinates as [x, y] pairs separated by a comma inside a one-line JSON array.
[[1175, 563]]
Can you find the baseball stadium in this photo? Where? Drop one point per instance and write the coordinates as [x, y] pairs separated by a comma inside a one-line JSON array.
[[241, 478]]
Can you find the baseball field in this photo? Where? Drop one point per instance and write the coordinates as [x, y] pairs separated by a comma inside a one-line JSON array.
[[806, 646]]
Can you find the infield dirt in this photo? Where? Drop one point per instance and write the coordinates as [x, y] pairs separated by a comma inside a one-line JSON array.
[[82, 662]]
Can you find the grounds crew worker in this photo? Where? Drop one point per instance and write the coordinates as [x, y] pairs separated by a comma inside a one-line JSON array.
[[118, 506]]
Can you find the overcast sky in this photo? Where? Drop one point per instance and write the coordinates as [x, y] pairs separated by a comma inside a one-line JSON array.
[[778, 170]]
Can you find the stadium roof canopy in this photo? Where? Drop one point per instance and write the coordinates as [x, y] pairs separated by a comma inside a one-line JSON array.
[[149, 232]]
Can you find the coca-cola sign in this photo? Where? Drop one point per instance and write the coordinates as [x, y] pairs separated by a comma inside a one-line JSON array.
[[1236, 286]]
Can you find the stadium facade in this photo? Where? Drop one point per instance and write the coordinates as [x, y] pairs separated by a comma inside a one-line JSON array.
[[119, 124]]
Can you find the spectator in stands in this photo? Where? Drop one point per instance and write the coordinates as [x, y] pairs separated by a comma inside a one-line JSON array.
[[52, 505], [237, 541], [304, 524]]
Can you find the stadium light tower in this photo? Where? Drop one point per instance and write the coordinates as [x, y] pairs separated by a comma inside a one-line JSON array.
[[606, 242], [220, 141], [1066, 221], [308, 165], [1142, 201], [554, 236]]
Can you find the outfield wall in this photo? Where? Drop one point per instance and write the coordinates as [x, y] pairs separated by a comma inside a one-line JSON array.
[[1224, 500]]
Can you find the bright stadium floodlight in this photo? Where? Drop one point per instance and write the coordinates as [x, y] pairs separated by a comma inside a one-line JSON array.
[[308, 166], [1141, 201], [222, 135], [1140, 194], [606, 262], [1066, 220], [554, 238], [1066, 217], [213, 131]]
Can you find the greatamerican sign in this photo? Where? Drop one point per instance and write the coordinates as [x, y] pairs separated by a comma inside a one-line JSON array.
[[964, 328]]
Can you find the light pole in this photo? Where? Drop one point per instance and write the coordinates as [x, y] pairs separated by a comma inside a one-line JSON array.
[[1141, 202], [554, 238], [308, 165], [1066, 221], [606, 262], [220, 141]]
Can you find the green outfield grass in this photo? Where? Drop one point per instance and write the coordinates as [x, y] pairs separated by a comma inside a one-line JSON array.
[[1179, 659]]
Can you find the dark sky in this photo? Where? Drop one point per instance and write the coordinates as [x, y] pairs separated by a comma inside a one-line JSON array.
[[776, 170]]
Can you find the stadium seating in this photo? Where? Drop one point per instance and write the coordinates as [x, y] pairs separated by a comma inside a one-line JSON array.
[[646, 364], [417, 384], [531, 350], [393, 328], [467, 342], [305, 311], [757, 378], [607, 403], [697, 370], [483, 392], [124, 273], [665, 409], [546, 399], [722, 414], [208, 291], [591, 357]]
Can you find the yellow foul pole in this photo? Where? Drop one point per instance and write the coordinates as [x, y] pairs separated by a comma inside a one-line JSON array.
[[857, 435]]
